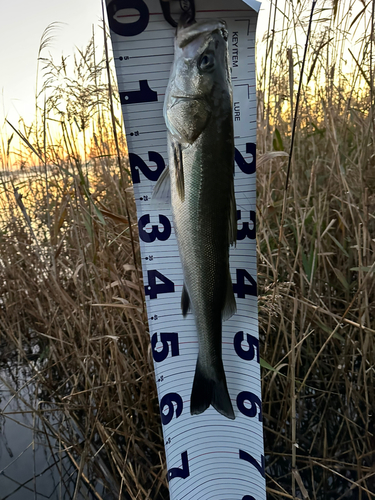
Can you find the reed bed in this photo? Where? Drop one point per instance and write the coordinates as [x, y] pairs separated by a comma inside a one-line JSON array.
[[72, 304]]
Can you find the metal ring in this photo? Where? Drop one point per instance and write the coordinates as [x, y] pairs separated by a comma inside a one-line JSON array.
[[188, 6], [166, 8], [188, 11]]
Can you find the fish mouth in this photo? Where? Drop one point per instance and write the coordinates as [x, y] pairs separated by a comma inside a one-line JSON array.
[[188, 97]]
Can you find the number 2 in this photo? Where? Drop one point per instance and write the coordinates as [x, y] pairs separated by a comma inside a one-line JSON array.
[[246, 167], [137, 162]]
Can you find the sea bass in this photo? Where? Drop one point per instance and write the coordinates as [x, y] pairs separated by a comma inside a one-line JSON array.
[[199, 119]]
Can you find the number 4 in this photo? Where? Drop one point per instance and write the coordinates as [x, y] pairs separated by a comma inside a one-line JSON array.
[[242, 289], [154, 288]]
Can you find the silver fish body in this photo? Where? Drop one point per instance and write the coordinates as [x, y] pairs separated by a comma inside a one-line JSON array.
[[198, 114]]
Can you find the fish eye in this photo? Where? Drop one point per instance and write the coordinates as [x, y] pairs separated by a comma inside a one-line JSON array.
[[206, 62]]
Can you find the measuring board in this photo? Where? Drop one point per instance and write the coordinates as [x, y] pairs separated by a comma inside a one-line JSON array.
[[209, 457]]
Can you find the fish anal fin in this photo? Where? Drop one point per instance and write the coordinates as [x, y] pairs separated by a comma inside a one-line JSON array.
[[185, 301], [230, 302]]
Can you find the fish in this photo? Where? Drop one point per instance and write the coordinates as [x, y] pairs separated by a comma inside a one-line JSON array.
[[199, 119]]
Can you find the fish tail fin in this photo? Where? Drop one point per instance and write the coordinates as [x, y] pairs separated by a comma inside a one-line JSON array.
[[210, 389]]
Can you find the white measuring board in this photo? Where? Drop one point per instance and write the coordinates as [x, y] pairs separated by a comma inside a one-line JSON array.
[[209, 457]]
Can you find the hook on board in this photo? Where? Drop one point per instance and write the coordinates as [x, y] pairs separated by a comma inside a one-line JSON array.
[[188, 11]]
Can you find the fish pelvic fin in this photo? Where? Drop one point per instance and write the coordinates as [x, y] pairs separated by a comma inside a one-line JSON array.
[[185, 301], [230, 302], [179, 169], [210, 389]]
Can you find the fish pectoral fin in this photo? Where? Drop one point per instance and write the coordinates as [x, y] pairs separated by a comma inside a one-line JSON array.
[[185, 301], [230, 302], [162, 189], [179, 169]]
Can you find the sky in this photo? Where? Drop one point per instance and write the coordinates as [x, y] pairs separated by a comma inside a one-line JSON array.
[[22, 23], [21, 26]]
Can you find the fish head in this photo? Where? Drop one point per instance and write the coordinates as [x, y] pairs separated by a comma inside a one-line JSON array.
[[201, 54], [200, 82]]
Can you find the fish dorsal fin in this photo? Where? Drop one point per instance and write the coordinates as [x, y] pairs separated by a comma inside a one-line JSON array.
[[162, 189], [185, 301], [179, 169], [230, 302], [232, 217]]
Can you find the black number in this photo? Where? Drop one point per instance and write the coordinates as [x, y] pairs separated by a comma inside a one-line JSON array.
[[164, 339], [246, 231], [242, 289], [252, 461], [248, 497], [168, 400], [128, 29], [137, 162], [155, 234], [255, 404], [253, 342], [247, 168], [144, 94], [177, 472], [154, 288]]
